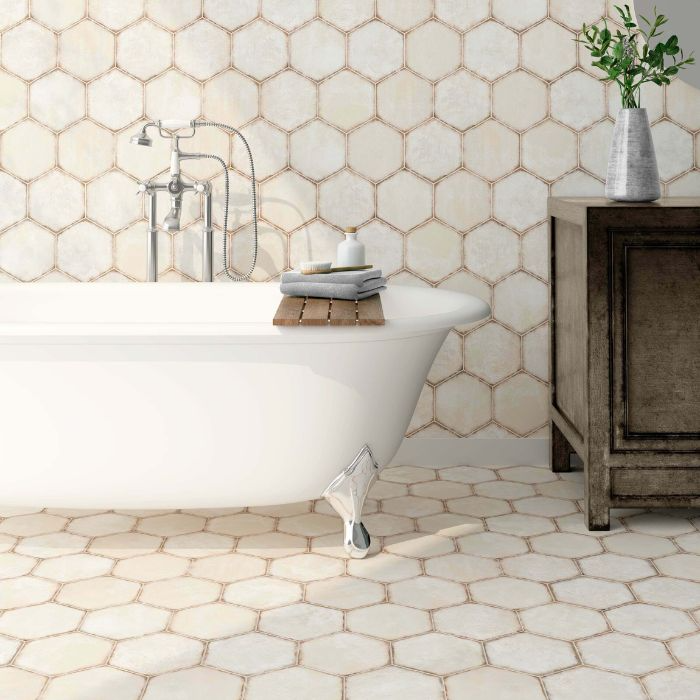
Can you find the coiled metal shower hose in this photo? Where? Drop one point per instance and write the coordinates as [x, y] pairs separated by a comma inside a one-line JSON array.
[[231, 275]]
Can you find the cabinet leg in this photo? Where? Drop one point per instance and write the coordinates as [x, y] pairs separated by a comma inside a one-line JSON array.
[[559, 450], [597, 494]]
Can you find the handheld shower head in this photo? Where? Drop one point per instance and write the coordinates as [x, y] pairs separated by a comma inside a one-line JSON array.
[[142, 138]]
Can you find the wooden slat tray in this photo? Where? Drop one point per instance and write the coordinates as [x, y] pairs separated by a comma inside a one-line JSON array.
[[310, 311]]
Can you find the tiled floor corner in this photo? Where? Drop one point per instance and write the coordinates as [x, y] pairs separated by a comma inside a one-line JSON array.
[[482, 584]]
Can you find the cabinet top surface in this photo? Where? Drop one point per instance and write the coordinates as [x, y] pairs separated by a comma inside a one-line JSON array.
[[601, 202]]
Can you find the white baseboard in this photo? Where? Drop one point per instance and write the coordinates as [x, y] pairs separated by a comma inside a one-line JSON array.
[[495, 452]]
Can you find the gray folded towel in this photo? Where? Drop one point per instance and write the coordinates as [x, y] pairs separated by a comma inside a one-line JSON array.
[[356, 277], [333, 291]]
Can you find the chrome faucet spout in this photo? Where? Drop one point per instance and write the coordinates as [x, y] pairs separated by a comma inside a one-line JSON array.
[[172, 220]]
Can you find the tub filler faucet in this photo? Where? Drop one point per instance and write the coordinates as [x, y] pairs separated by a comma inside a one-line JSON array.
[[176, 188]]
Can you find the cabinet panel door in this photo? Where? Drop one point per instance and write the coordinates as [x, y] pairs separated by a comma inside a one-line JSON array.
[[655, 307]]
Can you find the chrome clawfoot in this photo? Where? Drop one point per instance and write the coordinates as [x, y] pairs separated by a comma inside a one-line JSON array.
[[347, 493]]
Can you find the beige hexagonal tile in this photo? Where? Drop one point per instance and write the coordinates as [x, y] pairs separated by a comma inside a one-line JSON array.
[[384, 246], [27, 150], [124, 621], [39, 621], [12, 565], [270, 151], [8, 648], [13, 251], [317, 50], [521, 301], [180, 592], [494, 681], [288, 200], [650, 621], [22, 591], [592, 592], [559, 40], [462, 100], [491, 50], [306, 567], [192, 60], [520, 100], [86, 50], [461, 15], [345, 15], [521, 15], [566, 544], [403, 14], [34, 524], [595, 146], [671, 592], [427, 593], [144, 50], [151, 567], [28, 50], [510, 593], [19, 684], [579, 682], [404, 201], [98, 592], [433, 50], [507, 490], [492, 352], [157, 653], [673, 147], [346, 100], [492, 251], [64, 653], [171, 16], [317, 150], [263, 593], [228, 15], [116, 16], [172, 95], [563, 621], [213, 621], [115, 99], [616, 567], [639, 545], [536, 353], [129, 254], [344, 653], [388, 621], [56, 544], [102, 524], [687, 650], [171, 524], [288, 100], [344, 592], [528, 475], [433, 251], [375, 50], [56, 200], [677, 682], [574, 15], [544, 505], [540, 567], [346, 199], [404, 100], [226, 568], [57, 100], [86, 150], [578, 100], [438, 653], [272, 545], [375, 150], [452, 410], [530, 653], [384, 567], [549, 150], [110, 201], [433, 150], [14, 107], [54, 16], [301, 621], [519, 200], [246, 57], [218, 106], [478, 506], [251, 653], [624, 653], [519, 524]]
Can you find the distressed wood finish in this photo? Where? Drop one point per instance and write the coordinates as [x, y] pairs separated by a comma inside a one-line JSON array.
[[311, 311], [625, 360]]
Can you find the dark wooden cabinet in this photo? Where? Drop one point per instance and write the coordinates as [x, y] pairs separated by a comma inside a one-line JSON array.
[[625, 350]]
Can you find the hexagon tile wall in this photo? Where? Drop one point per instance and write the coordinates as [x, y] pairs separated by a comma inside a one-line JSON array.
[[438, 127]]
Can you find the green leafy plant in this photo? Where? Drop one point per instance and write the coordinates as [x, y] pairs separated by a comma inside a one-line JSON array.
[[628, 59]]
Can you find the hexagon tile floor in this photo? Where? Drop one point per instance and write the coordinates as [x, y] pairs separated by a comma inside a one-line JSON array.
[[483, 584]]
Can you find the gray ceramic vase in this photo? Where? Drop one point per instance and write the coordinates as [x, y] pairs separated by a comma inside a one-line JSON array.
[[633, 175]]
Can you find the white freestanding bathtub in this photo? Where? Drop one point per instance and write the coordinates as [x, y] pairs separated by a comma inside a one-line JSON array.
[[178, 395]]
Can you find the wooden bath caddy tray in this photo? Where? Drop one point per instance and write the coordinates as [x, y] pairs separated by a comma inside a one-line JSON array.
[[310, 311]]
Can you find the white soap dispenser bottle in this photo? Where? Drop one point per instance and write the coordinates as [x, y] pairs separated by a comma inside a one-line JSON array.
[[351, 253]]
